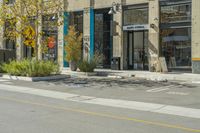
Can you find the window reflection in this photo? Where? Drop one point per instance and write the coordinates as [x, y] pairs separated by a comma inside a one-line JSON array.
[[9, 34], [176, 13], [102, 36], [76, 19], [50, 30], [136, 16], [176, 47]]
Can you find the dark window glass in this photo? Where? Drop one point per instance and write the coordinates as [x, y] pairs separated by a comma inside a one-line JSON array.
[[176, 47], [50, 32], [176, 13], [166, 2], [136, 16], [10, 44], [102, 36], [10, 41], [28, 50], [76, 19]]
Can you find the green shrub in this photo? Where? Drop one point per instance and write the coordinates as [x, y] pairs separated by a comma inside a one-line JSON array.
[[1, 70], [86, 66], [31, 68], [89, 66]]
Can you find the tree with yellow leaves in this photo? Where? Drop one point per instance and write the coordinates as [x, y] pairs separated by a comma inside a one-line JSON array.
[[29, 36], [73, 47], [22, 18]]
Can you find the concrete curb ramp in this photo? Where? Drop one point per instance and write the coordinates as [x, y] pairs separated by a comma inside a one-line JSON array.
[[134, 105]]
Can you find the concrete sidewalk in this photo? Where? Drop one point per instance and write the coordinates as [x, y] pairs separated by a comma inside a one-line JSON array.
[[154, 76]]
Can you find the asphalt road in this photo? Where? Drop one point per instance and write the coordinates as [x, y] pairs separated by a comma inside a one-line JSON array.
[[24, 113]]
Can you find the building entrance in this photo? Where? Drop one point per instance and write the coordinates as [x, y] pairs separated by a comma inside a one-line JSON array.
[[137, 50]]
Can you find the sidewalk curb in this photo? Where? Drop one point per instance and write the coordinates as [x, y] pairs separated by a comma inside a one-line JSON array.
[[153, 76], [81, 74], [34, 79]]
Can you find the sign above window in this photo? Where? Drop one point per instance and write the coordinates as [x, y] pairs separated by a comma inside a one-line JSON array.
[[136, 27]]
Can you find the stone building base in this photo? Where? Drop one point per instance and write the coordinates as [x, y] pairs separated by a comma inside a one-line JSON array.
[[196, 67]]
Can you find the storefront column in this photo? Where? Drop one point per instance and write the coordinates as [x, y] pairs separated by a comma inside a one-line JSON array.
[[91, 33], [154, 35], [65, 32], [39, 38], [1, 38], [60, 48], [88, 33], [19, 45], [195, 36], [118, 37]]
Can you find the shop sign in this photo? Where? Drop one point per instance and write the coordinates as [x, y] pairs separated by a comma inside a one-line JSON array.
[[51, 42], [135, 27]]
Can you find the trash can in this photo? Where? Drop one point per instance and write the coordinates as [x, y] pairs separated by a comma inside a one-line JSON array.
[[115, 63]]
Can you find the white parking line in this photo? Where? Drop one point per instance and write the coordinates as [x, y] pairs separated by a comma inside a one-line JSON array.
[[141, 106], [4, 81], [160, 89], [178, 93], [196, 82]]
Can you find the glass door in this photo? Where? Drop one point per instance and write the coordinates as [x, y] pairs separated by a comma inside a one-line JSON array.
[[130, 50], [137, 50]]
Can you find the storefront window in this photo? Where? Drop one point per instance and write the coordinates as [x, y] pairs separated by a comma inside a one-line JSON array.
[[103, 37], [28, 50], [76, 19], [176, 13], [135, 15], [10, 40], [50, 32], [176, 47]]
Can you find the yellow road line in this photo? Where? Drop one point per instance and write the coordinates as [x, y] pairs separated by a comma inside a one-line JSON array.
[[160, 124]]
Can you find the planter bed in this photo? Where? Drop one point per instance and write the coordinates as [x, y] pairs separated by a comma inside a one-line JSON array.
[[81, 74], [34, 79]]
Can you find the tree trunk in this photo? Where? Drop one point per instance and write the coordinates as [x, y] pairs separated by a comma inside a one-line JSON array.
[[36, 41]]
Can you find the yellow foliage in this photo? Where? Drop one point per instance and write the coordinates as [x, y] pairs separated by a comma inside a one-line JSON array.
[[29, 32], [30, 42], [29, 35], [73, 45]]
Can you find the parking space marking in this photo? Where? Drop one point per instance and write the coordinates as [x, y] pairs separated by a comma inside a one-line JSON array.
[[196, 82], [160, 89], [165, 88], [4, 81], [178, 93]]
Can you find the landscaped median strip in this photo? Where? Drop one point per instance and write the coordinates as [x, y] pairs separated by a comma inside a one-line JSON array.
[[142, 106]]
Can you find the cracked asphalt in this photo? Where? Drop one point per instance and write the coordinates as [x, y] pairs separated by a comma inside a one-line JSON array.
[[133, 89]]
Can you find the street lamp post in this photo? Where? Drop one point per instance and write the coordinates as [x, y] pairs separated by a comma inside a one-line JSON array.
[[115, 8]]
